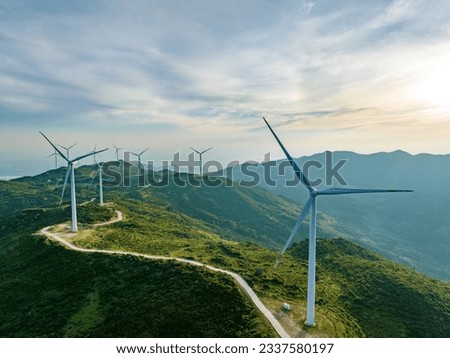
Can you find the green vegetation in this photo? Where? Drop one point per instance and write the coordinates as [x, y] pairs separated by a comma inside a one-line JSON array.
[[410, 228], [236, 213], [49, 291], [359, 293], [385, 298]]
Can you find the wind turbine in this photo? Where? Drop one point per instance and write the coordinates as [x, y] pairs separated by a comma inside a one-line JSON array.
[[95, 154], [201, 161], [139, 156], [117, 152], [310, 206], [66, 148], [55, 154], [71, 171], [100, 179]]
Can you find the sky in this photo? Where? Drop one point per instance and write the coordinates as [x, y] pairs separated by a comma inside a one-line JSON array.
[[365, 76]]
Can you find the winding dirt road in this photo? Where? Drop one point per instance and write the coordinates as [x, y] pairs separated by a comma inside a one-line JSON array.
[[273, 321]]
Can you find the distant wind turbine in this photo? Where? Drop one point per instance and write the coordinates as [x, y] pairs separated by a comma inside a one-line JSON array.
[[139, 156], [117, 151], [71, 171], [310, 206], [55, 154], [100, 181], [67, 149], [95, 154], [201, 160]]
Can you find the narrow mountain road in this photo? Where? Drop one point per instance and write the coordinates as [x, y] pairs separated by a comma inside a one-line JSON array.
[[273, 321], [112, 221]]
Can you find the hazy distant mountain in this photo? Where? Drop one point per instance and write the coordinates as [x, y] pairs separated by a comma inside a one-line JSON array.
[[412, 228]]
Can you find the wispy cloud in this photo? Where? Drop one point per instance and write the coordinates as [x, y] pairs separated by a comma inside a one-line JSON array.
[[215, 67]]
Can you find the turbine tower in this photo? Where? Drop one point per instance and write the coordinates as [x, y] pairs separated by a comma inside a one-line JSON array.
[[201, 160], [55, 154], [95, 154], [117, 152], [139, 156], [100, 179], [71, 171], [67, 149], [310, 207]]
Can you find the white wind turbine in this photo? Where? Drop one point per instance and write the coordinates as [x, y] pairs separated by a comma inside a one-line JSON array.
[[201, 160], [95, 154], [139, 157], [310, 206], [117, 152], [55, 154], [71, 171], [100, 179], [67, 149]]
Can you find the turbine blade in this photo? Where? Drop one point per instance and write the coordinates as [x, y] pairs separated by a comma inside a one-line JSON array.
[[73, 145], [65, 183], [87, 155], [206, 150], [144, 187], [300, 220], [297, 170], [340, 191], [144, 151], [53, 154], [94, 177], [195, 150], [48, 140]]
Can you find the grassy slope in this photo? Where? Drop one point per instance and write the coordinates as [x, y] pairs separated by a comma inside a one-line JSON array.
[[386, 299], [235, 213], [410, 228], [359, 293], [47, 290], [187, 222]]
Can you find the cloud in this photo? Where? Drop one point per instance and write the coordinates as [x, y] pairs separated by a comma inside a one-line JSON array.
[[214, 67]]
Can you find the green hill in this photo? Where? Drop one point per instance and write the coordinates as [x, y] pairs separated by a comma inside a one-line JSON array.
[[49, 291], [359, 293], [386, 299], [412, 228]]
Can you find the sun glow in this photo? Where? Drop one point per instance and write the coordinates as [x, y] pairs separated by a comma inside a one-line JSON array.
[[434, 88]]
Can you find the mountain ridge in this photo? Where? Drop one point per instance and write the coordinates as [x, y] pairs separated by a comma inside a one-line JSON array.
[[394, 225], [192, 223]]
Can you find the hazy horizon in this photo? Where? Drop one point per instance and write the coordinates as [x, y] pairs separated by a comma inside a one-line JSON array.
[[18, 171]]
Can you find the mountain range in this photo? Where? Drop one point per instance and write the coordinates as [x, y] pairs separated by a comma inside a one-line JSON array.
[[411, 228], [48, 290]]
